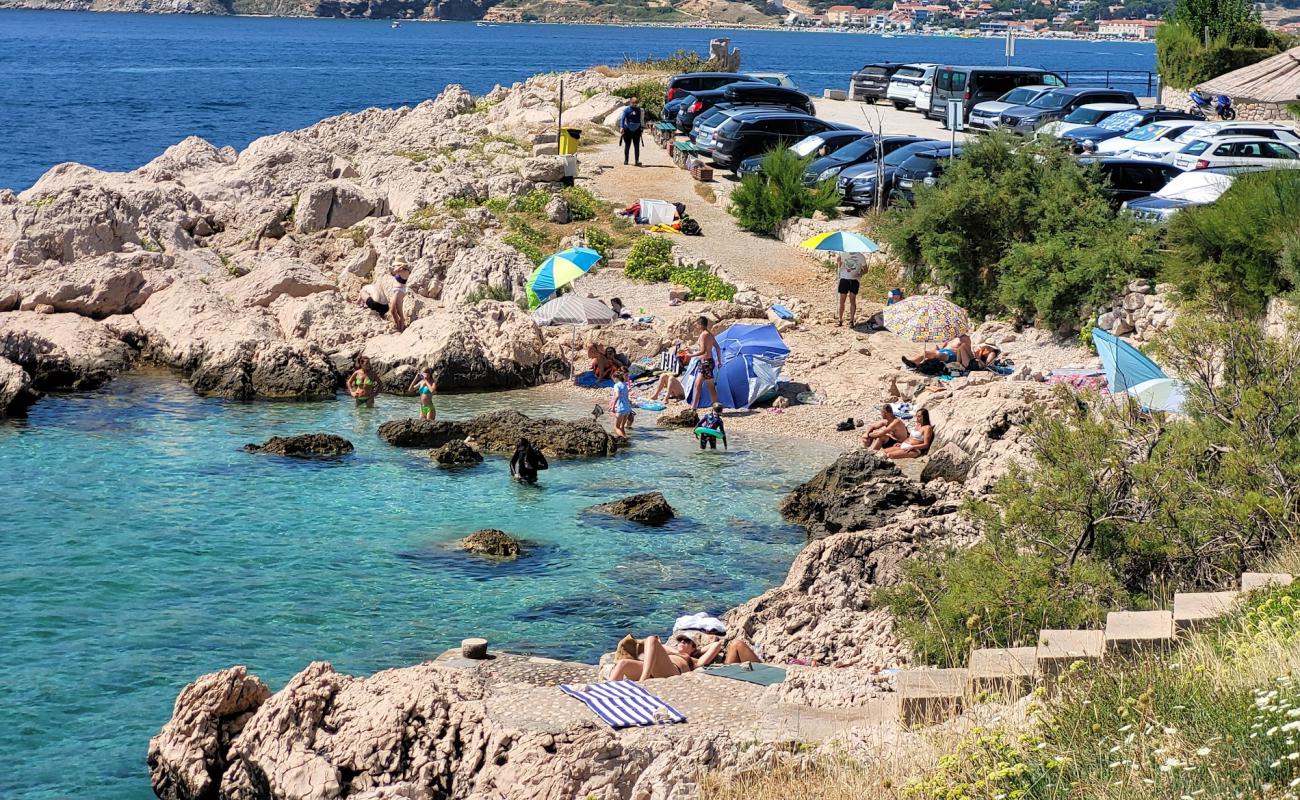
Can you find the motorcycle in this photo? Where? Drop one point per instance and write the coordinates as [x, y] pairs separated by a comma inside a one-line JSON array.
[[1222, 105]]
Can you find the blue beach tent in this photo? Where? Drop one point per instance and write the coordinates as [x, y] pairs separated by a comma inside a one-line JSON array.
[[1129, 372], [752, 358]]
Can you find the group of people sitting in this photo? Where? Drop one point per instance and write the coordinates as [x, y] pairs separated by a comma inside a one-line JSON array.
[[891, 435], [606, 361]]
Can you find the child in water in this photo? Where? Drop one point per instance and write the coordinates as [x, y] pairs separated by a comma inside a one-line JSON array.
[[622, 403], [427, 387], [712, 421]]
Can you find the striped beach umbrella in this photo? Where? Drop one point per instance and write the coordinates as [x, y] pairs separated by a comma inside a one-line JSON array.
[[841, 242], [573, 310], [559, 271], [926, 318]]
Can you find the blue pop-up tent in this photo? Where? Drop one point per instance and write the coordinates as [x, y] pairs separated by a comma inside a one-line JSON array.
[[752, 358], [1129, 372]]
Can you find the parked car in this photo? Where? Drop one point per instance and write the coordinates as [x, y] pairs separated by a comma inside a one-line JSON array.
[[925, 92], [860, 151], [1189, 189], [905, 82], [1086, 116], [1165, 149], [822, 144], [924, 167], [1057, 104], [746, 135], [986, 114], [781, 79], [870, 83], [1237, 151], [681, 85], [740, 94], [707, 124], [858, 184], [1151, 132], [1129, 179], [1116, 125], [975, 85]]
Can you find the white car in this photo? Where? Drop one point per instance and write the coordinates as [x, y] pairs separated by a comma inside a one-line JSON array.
[[1183, 191], [781, 79], [986, 114], [1154, 132], [905, 83], [1084, 116], [1237, 151], [1165, 149], [925, 91]]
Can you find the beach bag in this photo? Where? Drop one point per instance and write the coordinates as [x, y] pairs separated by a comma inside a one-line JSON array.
[[932, 366], [690, 227]]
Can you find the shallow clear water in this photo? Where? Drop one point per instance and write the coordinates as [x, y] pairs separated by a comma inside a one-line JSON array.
[[115, 90], [142, 548]]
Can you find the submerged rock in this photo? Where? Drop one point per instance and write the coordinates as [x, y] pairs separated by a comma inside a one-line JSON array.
[[491, 542], [421, 432], [454, 454], [648, 509], [306, 445], [860, 490], [500, 431]]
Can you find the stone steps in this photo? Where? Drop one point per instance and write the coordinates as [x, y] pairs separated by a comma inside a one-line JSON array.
[[930, 696]]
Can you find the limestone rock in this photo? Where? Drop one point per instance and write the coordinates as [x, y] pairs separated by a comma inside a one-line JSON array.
[[542, 169], [648, 509], [62, 351], [500, 432], [557, 210], [490, 265], [949, 463], [114, 283], [187, 158], [421, 432], [454, 454], [687, 417], [860, 490], [16, 392], [336, 204], [276, 278], [305, 445], [491, 542]]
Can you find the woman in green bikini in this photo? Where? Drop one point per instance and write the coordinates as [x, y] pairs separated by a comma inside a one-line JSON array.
[[362, 384], [426, 386]]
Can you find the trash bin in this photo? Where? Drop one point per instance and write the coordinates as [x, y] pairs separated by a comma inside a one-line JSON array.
[[569, 141]]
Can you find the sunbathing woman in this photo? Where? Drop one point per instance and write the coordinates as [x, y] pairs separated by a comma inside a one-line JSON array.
[[657, 661], [918, 444], [958, 350]]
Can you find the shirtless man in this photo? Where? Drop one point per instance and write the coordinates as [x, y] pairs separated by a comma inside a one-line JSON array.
[[708, 347], [889, 431]]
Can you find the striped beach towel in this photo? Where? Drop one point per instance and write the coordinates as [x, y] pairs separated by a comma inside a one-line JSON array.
[[622, 704]]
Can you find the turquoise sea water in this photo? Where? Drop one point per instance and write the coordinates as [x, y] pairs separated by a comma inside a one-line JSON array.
[[142, 548]]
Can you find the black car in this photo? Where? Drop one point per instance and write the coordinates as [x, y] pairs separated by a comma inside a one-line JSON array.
[[1081, 139], [824, 143], [749, 135], [924, 167], [871, 83], [681, 85], [1131, 178], [857, 184], [740, 94], [829, 167], [1055, 104]]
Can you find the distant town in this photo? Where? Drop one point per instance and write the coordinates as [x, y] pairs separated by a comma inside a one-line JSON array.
[[982, 18]]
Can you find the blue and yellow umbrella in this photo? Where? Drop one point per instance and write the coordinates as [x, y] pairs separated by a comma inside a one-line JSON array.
[[559, 271], [841, 242]]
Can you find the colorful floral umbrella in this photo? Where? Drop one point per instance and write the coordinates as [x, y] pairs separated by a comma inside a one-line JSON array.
[[841, 242], [559, 271], [926, 318]]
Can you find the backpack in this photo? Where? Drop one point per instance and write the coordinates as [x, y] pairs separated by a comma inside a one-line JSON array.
[[690, 227]]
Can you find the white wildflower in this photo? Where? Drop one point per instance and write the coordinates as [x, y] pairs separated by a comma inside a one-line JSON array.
[[1202, 751]]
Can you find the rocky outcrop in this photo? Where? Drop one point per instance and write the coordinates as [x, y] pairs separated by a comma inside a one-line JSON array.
[[421, 433], [648, 509], [276, 278], [62, 351], [304, 445], [455, 454], [949, 463], [687, 417], [492, 543], [860, 490], [16, 392], [1142, 312], [97, 287], [500, 432], [336, 204]]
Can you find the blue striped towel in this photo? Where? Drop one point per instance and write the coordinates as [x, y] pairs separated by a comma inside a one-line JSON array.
[[622, 704]]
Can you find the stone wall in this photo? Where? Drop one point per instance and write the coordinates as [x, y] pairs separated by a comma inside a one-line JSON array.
[[1271, 112], [1141, 313]]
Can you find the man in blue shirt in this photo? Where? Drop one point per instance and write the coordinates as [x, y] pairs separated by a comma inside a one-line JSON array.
[[629, 125]]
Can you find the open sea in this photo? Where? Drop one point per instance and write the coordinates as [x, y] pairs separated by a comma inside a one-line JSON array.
[[115, 90]]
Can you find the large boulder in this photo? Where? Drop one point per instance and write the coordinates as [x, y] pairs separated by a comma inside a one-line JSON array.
[[686, 417], [114, 283], [276, 278], [492, 543], [648, 509], [860, 490], [304, 445], [421, 432], [455, 454], [336, 204], [16, 392], [949, 463], [489, 266], [62, 351], [500, 432], [188, 159]]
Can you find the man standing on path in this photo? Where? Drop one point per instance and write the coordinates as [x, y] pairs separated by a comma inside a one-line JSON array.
[[851, 267], [708, 346], [629, 126]]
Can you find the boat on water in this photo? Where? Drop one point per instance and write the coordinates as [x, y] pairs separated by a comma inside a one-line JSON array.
[[395, 24], [886, 36]]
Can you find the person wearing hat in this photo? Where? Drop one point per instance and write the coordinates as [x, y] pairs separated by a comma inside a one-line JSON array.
[[387, 293]]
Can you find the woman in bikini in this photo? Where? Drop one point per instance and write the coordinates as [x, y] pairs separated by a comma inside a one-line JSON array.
[[426, 386], [362, 384], [679, 657], [918, 444]]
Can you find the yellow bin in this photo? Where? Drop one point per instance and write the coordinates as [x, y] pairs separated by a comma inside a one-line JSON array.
[[569, 141]]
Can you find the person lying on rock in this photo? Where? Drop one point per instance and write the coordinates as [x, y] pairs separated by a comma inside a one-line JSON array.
[[678, 657], [363, 384], [888, 431], [918, 443], [669, 384], [387, 294]]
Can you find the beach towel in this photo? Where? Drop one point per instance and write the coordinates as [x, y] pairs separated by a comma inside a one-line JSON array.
[[761, 674], [587, 380], [781, 311], [623, 704], [700, 622]]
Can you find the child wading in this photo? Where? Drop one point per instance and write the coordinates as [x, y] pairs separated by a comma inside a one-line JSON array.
[[427, 387], [712, 421], [622, 403]]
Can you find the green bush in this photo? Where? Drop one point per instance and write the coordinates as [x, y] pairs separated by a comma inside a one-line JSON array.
[[650, 93], [600, 241], [763, 201], [1241, 249], [1185, 62], [488, 292], [583, 205], [650, 260], [703, 284], [521, 243]]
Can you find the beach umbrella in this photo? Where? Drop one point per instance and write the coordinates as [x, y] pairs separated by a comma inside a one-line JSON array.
[[573, 310], [1160, 394], [559, 271], [752, 358], [841, 242], [1130, 373], [926, 318]]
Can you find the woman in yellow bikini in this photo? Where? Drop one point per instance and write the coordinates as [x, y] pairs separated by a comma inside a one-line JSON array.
[[362, 384]]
